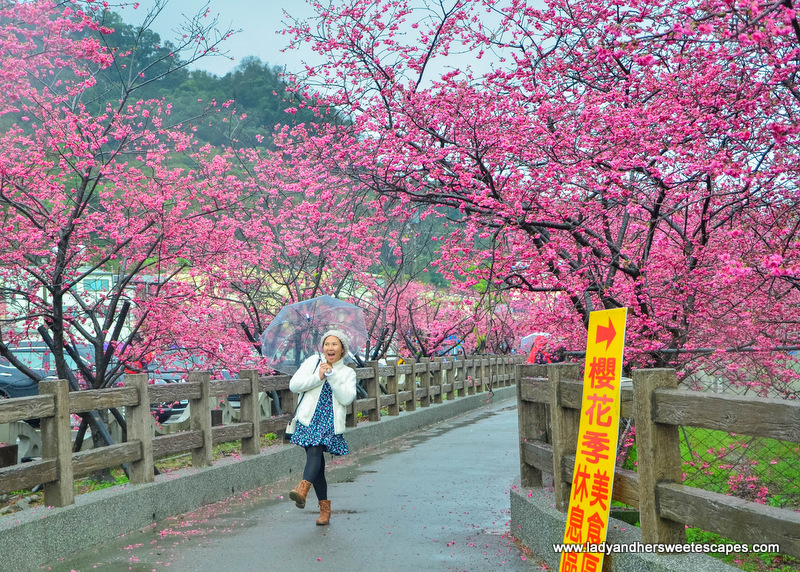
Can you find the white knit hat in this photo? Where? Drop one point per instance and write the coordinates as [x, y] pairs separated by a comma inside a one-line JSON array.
[[342, 338]]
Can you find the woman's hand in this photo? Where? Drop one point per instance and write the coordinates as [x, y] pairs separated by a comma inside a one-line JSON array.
[[324, 369]]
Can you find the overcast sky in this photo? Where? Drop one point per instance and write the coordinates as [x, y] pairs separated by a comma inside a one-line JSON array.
[[259, 20]]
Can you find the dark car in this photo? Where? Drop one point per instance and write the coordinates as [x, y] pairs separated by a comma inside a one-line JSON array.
[[14, 383], [38, 357]]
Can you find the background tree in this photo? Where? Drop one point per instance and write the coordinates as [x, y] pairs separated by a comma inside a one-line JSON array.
[[307, 231], [90, 187], [640, 154]]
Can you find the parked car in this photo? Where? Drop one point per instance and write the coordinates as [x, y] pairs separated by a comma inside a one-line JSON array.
[[38, 357], [172, 366], [163, 412]]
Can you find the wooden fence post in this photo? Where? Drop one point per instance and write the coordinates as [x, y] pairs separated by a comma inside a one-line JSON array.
[[472, 374], [451, 379], [200, 419], [458, 375], [57, 444], [249, 413], [392, 388], [438, 377], [513, 363], [658, 456], [477, 374], [411, 383], [139, 422], [425, 381], [351, 419], [374, 391], [564, 427], [532, 426], [288, 402]]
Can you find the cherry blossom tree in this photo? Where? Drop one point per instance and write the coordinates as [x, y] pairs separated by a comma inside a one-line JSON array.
[[308, 231], [85, 190], [639, 154]]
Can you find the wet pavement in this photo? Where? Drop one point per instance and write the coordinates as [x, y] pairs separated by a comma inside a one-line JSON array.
[[437, 500]]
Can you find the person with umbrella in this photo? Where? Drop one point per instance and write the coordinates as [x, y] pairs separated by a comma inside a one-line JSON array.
[[327, 388], [538, 354], [294, 334]]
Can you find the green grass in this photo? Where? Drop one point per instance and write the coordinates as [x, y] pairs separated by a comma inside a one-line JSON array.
[[89, 485], [230, 449], [752, 468], [767, 562], [757, 469]]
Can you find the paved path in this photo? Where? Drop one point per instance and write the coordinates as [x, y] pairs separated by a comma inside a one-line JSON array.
[[437, 500]]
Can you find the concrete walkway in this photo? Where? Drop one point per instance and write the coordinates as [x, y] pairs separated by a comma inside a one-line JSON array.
[[436, 500]]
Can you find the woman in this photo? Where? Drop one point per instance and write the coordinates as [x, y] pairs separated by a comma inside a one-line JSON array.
[[328, 387]]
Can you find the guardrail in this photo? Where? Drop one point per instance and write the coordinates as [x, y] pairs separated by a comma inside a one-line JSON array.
[[549, 399], [407, 386]]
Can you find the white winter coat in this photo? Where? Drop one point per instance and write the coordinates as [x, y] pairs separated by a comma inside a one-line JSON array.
[[342, 382]]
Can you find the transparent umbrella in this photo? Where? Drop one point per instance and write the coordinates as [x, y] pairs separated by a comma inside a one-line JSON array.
[[527, 342], [296, 332]]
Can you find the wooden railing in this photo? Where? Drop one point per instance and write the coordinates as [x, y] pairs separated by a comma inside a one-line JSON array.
[[425, 382], [549, 399]]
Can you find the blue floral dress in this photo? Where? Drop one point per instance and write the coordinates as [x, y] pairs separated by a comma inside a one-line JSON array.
[[320, 432]]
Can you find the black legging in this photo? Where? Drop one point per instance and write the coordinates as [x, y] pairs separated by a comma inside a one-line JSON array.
[[315, 470]]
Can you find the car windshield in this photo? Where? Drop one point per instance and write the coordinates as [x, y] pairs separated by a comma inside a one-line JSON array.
[[70, 362], [32, 358], [41, 359]]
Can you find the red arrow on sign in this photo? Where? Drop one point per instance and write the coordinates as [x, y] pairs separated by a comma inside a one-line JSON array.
[[605, 334]]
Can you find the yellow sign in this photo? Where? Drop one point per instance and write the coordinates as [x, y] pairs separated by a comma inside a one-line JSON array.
[[593, 477]]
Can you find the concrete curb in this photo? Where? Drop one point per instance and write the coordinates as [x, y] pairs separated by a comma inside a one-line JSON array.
[[538, 525], [42, 535]]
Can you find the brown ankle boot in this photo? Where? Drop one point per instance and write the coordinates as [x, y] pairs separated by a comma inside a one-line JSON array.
[[299, 493], [324, 512]]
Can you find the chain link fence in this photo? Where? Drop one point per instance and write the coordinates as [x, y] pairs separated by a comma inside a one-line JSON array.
[[757, 469], [752, 468]]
